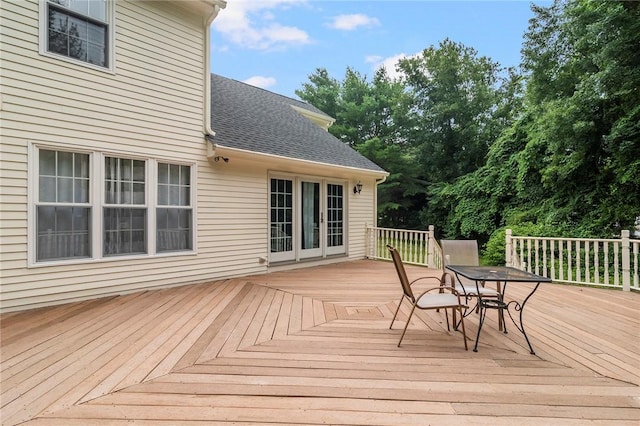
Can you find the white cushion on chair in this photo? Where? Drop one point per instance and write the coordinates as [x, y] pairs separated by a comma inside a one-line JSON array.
[[434, 300]]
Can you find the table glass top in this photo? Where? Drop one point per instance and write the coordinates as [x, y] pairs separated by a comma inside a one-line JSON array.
[[496, 273]]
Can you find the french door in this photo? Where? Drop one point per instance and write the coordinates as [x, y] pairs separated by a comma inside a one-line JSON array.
[[307, 218]]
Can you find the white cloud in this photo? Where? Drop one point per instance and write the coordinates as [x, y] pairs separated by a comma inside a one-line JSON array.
[[260, 81], [252, 24], [352, 22], [373, 59], [390, 63]]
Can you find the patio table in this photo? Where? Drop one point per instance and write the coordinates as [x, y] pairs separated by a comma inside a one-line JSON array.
[[501, 275]]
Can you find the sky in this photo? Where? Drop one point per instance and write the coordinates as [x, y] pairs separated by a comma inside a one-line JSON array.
[[277, 44]]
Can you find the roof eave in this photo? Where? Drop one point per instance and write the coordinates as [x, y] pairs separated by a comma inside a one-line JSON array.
[[215, 149]]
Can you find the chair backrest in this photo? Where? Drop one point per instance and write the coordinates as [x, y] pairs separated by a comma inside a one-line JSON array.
[[459, 252], [402, 274]]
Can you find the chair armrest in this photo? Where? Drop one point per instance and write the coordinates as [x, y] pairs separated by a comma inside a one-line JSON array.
[[425, 278]]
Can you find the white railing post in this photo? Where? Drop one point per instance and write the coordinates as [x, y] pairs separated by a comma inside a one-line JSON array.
[[626, 262], [431, 238], [508, 251], [367, 243]]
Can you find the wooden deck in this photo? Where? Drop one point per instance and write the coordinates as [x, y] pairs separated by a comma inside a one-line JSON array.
[[312, 346]]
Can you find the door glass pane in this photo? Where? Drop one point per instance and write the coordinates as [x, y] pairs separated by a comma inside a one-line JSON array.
[[281, 215], [310, 236], [335, 225]]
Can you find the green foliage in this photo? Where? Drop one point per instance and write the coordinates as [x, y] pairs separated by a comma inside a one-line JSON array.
[[455, 97], [371, 116], [403, 189], [494, 251], [551, 150]]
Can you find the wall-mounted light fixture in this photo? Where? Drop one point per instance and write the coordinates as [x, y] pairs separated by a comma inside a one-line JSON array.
[[358, 188], [219, 157]]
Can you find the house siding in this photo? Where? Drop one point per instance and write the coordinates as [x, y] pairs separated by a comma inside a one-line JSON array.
[[151, 106]]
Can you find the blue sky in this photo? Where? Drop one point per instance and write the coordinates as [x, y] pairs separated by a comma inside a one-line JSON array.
[[277, 44]]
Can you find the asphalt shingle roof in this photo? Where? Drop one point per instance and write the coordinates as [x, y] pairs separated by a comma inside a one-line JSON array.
[[253, 119]]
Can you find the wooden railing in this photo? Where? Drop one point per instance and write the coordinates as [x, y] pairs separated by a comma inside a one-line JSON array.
[[415, 247], [598, 262], [613, 262]]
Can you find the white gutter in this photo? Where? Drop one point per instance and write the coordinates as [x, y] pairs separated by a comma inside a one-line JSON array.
[[375, 199], [217, 7]]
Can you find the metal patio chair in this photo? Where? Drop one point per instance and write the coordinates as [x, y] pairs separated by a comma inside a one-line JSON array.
[[442, 296], [465, 252]]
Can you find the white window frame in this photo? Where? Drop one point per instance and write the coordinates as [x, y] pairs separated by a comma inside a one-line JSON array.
[[97, 204], [126, 206], [110, 22], [341, 249], [36, 202], [184, 207]]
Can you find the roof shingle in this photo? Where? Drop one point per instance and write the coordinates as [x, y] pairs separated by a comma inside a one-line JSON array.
[[253, 119]]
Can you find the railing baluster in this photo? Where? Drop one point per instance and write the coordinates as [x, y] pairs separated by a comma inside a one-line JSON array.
[[616, 268], [587, 272], [596, 262], [569, 260], [553, 260], [414, 242], [606, 263], [636, 247], [578, 267], [544, 258], [561, 256]]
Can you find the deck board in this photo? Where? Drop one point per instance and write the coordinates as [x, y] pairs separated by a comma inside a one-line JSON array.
[[313, 346]]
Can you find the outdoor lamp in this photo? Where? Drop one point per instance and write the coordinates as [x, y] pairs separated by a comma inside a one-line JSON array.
[[358, 188]]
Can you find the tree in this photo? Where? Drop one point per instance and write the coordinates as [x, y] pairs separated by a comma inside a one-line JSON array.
[[462, 103], [369, 117], [322, 91], [582, 60]]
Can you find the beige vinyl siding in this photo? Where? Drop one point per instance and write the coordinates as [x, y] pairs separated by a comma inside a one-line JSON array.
[[361, 213], [150, 107]]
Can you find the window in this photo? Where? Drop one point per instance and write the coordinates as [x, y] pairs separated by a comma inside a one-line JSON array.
[[174, 215], [92, 206], [78, 29], [63, 210], [125, 211]]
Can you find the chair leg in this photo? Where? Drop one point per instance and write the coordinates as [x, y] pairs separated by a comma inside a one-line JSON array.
[[455, 319], [407, 324], [464, 333], [501, 324], [446, 316], [397, 310]]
